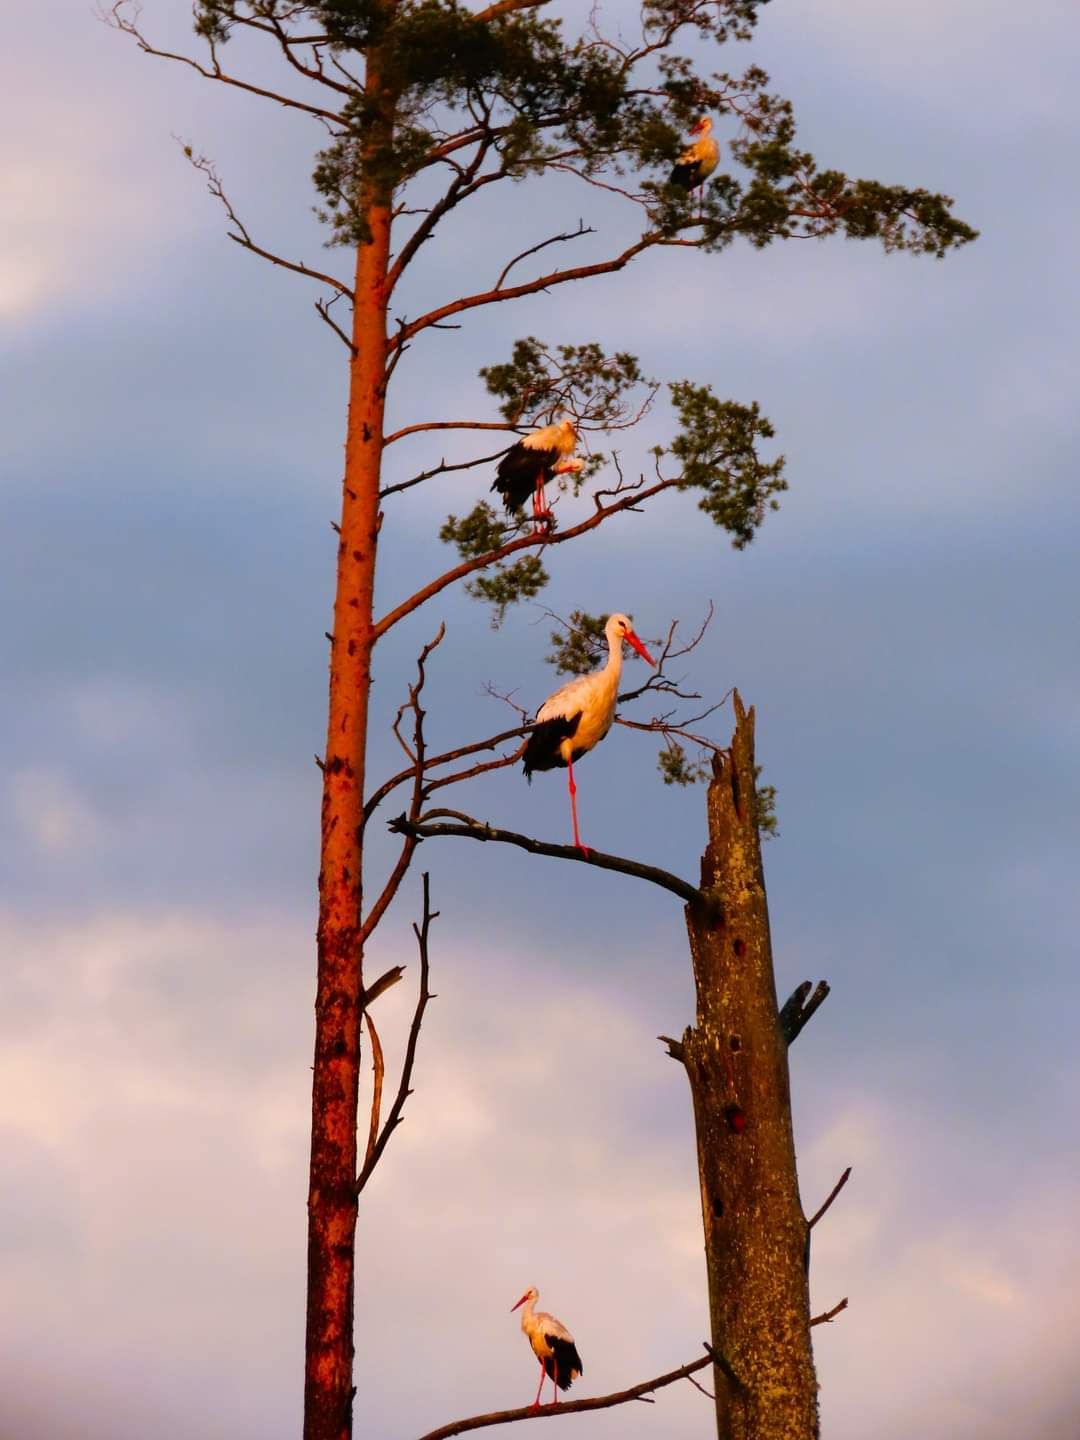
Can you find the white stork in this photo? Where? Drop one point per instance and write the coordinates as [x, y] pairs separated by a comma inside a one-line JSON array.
[[527, 466], [552, 1344], [577, 717], [697, 161]]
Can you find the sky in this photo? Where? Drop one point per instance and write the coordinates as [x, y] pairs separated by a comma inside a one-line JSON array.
[[171, 417]]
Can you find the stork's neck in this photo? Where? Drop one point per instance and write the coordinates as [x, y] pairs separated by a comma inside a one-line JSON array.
[[613, 669], [527, 1318]]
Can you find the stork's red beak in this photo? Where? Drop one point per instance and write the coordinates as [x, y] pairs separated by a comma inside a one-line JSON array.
[[520, 1302], [640, 648]]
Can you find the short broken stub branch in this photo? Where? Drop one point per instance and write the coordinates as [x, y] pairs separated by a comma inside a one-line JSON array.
[[801, 1006], [735, 1056]]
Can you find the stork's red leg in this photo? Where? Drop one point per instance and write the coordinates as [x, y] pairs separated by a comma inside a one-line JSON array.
[[540, 1387], [555, 1383], [573, 808]]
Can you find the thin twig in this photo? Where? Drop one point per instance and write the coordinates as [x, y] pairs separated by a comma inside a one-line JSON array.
[[567, 1407], [582, 229], [829, 1198]]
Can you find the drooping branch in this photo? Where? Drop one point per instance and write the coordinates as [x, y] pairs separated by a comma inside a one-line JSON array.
[[797, 1010], [404, 1090], [429, 827], [569, 1407]]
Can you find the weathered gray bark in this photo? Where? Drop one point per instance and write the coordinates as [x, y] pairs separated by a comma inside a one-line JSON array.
[[756, 1236]]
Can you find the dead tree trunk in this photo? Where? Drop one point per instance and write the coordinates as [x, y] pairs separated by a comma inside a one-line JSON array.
[[756, 1236]]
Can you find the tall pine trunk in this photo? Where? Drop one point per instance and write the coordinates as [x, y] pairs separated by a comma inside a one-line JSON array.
[[332, 1196], [756, 1236]]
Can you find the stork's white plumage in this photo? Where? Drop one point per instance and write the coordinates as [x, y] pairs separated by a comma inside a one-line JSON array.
[[697, 161], [552, 1344], [577, 717], [527, 466]]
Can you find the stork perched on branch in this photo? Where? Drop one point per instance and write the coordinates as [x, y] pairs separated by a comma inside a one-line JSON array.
[[697, 161], [577, 717], [552, 1344], [528, 466]]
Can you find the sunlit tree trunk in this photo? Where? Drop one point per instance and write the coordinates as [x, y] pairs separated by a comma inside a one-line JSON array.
[[332, 1198], [756, 1236]]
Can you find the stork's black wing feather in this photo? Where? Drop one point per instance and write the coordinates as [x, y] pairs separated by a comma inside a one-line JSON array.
[[519, 471], [685, 174], [542, 751], [564, 1364]]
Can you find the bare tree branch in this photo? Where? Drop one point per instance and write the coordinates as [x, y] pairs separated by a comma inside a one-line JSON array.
[[323, 307], [428, 827], [542, 282], [425, 425], [568, 1407], [820, 1211], [504, 7], [441, 469], [394, 1117]]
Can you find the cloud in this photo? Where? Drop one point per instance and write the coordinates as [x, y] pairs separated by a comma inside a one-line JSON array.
[[51, 813], [153, 1095]]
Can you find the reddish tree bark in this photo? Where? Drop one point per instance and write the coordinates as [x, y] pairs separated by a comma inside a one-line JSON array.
[[332, 1196]]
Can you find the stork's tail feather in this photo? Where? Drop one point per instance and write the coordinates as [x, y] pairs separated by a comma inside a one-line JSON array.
[[565, 1365], [542, 750]]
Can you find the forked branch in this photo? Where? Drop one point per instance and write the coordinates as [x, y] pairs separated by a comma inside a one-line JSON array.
[[798, 1008]]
